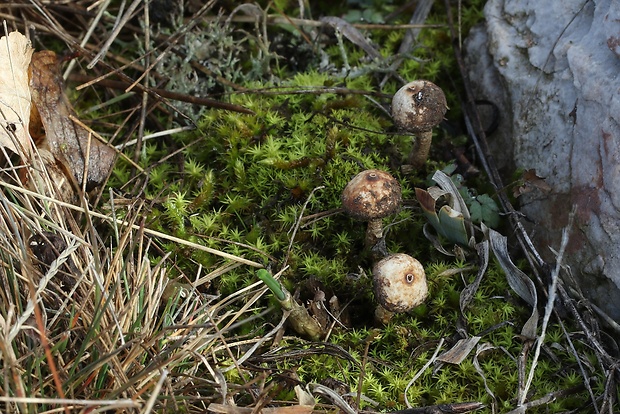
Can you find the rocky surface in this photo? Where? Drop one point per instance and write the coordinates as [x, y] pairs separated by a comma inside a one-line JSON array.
[[553, 68]]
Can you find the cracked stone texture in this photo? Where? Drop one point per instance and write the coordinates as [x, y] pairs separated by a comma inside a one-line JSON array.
[[553, 68]]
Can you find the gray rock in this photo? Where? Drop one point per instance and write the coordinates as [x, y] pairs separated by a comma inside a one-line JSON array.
[[553, 68]]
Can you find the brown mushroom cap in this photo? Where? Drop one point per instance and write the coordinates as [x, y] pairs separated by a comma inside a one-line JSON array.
[[400, 282], [371, 195], [418, 106]]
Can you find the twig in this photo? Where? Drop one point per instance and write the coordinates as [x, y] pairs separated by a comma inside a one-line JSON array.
[[119, 24], [275, 19], [313, 90], [423, 8], [360, 382], [549, 306], [584, 374], [146, 79], [456, 408], [548, 398], [313, 218], [182, 97]]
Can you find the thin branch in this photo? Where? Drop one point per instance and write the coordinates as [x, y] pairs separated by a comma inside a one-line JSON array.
[[549, 306]]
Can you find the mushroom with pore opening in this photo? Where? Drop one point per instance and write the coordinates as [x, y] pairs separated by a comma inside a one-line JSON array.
[[399, 284]]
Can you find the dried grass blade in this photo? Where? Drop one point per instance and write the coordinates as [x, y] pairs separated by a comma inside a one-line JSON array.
[[150, 232], [483, 348], [468, 293], [518, 281], [353, 34]]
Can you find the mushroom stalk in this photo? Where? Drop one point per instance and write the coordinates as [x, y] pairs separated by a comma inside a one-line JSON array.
[[382, 315], [420, 150], [417, 107], [374, 232]]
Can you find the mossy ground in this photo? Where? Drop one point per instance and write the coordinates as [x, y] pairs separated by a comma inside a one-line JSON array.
[[266, 186], [241, 184]]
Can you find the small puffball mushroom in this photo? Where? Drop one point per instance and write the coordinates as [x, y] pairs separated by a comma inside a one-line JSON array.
[[400, 282], [370, 196], [417, 107]]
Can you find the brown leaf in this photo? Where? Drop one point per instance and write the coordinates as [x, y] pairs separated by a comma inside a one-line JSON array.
[[459, 351], [531, 181], [52, 128], [427, 202], [535, 180], [15, 53]]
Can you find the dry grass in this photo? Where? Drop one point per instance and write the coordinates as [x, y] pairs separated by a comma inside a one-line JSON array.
[[101, 326], [89, 321]]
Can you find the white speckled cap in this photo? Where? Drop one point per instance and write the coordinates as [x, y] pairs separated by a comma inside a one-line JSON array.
[[400, 282]]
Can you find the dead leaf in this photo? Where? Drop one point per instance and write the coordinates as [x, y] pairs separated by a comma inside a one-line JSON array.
[[535, 180], [15, 55], [51, 127], [304, 397], [531, 181], [353, 34], [518, 281], [459, 351]]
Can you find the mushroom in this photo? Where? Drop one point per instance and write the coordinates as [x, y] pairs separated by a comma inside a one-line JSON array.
[[400, 284], [370, 196], [417, 107]]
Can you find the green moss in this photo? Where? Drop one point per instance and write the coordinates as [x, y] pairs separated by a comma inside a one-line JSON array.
[[241, 183], [249, 176]]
